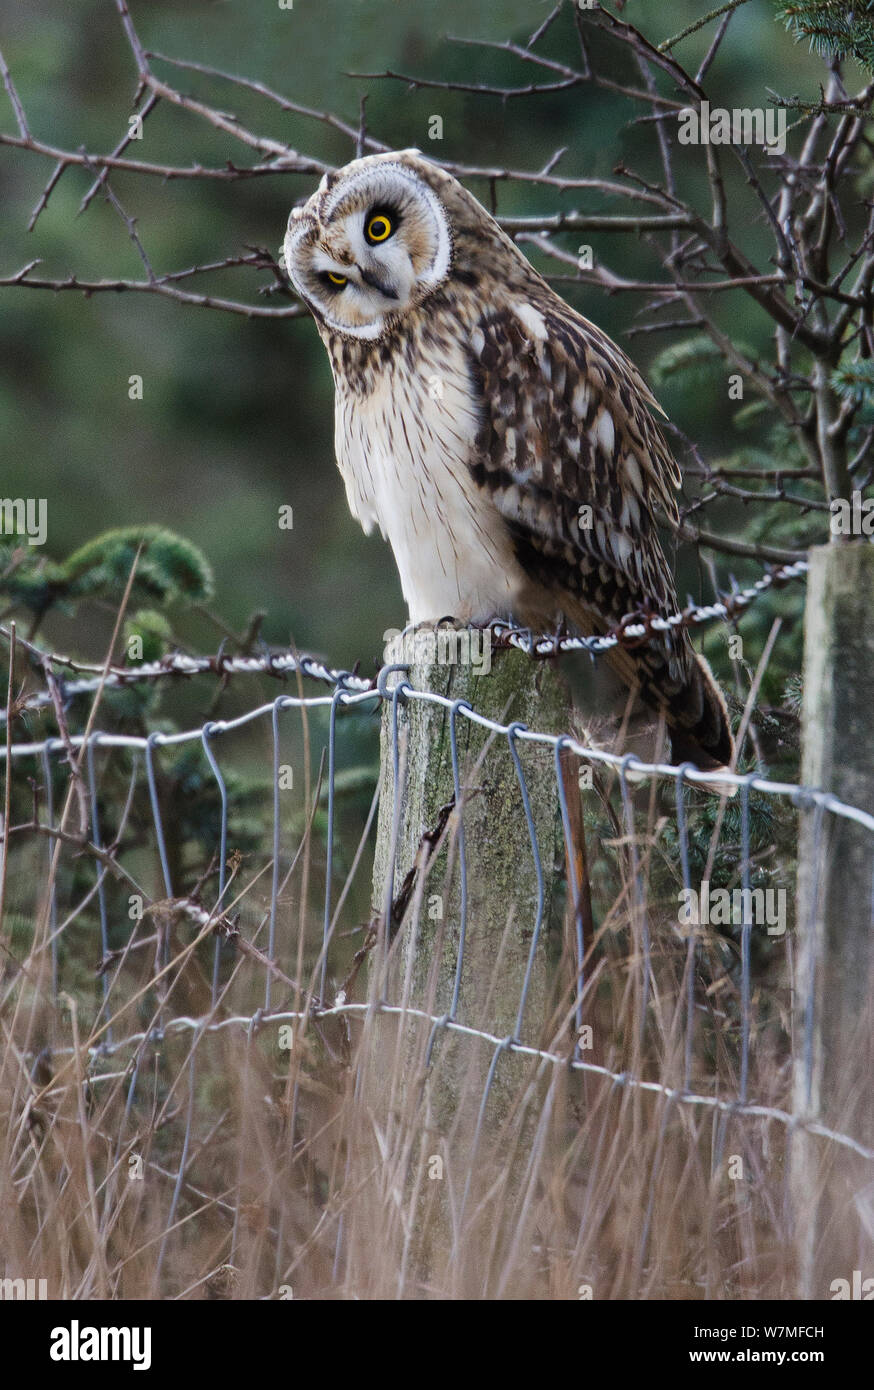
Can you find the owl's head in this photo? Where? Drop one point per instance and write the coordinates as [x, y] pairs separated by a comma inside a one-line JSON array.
[[371, 243]]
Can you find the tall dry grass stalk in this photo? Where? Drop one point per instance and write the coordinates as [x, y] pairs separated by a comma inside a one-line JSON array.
[[217, 1156]]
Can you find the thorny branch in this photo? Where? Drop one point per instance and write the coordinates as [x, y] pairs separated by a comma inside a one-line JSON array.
[[816, 295]]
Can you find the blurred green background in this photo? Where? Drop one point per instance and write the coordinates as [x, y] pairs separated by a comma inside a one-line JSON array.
[[236, 418]]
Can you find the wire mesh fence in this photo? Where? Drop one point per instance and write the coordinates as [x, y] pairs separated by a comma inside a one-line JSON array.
[[267, 1026], [240, 1062]]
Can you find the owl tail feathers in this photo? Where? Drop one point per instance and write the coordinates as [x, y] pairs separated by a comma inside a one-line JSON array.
[[699, 727]]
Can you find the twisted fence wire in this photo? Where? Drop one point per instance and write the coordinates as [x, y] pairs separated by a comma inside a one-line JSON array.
[[634, 629], [351, 693], [513, 734]]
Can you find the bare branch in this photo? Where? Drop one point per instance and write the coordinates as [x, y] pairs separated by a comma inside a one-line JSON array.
[[157, 286], [285, 163], [549, 20], [148, 108], [768, 553], [473, 88], [20, 118], [700, 23], [580, 222], [284, 103], [823, 310], [46, 193]]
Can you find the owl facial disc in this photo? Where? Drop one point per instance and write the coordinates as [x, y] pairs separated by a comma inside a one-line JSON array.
[[370, 244]]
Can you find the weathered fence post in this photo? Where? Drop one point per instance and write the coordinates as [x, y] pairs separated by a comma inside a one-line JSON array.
[[834, 985], [495, 858]]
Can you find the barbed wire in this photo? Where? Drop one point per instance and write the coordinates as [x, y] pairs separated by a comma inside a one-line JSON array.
[[743, 1093], [637, 628], [349, 690], [803, 796], [633, 630], [280, 664]]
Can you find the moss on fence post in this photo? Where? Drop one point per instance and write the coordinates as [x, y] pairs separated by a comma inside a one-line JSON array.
[[501, 876], [834, 1042]]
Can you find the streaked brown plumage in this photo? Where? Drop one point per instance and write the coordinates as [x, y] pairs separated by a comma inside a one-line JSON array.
[[505, 446]]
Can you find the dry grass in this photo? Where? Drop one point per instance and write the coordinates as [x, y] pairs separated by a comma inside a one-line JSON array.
[[217, 1162]]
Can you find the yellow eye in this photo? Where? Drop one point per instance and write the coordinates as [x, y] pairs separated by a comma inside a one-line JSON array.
[[379, 228], [337, 279]]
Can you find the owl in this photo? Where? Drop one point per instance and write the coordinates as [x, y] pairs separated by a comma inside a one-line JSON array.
[[505, 446]]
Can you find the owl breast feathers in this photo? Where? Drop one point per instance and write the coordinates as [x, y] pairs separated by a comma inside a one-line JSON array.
[[503, 444]]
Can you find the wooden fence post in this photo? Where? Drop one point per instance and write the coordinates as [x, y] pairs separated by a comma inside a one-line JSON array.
[[500, 869], [834, 985]]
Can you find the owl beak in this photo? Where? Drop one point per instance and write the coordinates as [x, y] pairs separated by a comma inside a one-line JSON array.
[[375, 283]]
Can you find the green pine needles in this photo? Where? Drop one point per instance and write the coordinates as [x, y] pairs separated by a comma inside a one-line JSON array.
[[834, 28], [170, 569]]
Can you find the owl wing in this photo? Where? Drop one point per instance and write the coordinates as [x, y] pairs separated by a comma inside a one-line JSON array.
[[571, 457]]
